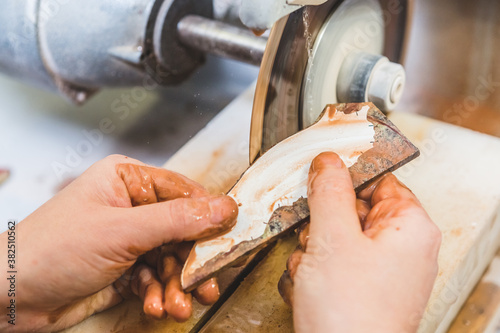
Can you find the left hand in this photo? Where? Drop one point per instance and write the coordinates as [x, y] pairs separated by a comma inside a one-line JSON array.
[[121, 228]]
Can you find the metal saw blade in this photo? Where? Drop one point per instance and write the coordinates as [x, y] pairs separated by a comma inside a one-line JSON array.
[[291, 88]]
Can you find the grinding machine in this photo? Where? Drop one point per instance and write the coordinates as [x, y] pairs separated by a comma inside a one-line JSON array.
[[317, 52]]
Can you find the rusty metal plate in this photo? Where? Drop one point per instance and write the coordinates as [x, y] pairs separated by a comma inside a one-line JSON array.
[[391, 149]]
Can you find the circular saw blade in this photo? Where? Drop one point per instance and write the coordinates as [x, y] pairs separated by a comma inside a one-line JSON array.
[[299, 70]]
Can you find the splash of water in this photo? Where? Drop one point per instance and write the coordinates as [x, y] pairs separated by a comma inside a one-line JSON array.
[[306, 19], [307, 34]]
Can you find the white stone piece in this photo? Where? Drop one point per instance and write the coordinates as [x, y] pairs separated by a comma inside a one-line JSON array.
[[457, 179], [279, 178]]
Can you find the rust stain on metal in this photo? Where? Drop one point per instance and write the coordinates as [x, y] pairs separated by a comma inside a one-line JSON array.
[[391, 149]]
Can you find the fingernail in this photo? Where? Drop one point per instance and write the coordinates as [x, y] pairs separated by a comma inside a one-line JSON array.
[[285, 288], [326, 159], [224, 211]]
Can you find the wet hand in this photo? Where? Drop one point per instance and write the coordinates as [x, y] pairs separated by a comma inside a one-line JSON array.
[[365, 263], [120, 229]]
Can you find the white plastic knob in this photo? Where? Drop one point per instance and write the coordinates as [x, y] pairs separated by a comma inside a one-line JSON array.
[[365, 77], [386, 85]]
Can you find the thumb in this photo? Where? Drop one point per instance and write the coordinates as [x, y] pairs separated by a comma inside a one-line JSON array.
[[146, 227], [331, 198]]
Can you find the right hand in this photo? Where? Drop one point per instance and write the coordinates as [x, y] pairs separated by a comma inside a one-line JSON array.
[[364, 264], [121, 228]]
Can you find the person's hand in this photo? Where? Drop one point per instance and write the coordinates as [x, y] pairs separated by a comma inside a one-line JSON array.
[[121, 228], [364, 264]]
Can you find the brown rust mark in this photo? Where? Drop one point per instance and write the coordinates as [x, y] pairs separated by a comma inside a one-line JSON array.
[[219, 178], [349, 108], [391, 149], [331, 112], [258, 32]]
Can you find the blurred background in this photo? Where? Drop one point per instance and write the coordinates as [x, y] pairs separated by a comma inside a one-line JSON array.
[[453, 63]]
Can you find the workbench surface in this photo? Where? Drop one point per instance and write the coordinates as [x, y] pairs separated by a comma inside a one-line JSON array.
[[38, 127], [453, 178]]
